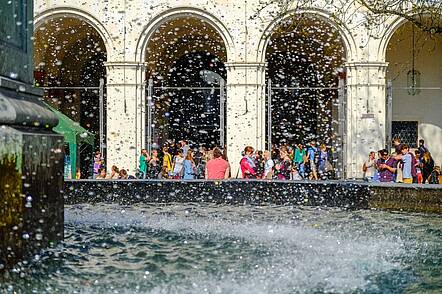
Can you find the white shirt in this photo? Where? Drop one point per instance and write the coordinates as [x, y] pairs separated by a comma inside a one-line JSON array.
[[268, 166]]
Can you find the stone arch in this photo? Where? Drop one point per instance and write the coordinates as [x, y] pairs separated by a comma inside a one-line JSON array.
[[51, 13], [178, 12], [395, 24], [349, 42]]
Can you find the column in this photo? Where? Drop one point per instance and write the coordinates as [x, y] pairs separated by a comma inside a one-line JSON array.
[[126, 107], [245, 110], [365, 128]]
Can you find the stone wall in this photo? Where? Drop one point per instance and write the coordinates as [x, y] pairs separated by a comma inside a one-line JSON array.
[[347, 195]]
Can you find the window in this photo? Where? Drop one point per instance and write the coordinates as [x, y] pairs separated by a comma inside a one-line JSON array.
[[407, 131]]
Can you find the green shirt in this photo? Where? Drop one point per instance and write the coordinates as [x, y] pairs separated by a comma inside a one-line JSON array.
[[299, 155], [143, 164]]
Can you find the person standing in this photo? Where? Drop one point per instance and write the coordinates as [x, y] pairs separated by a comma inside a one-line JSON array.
[[387, 167], [247, 164], [324, 163], [422, 149], [166, 169], [217, 168], [397, 145], [312, 154], [269, 164], [98, 164], [417, 155], [184, 147], [259, 163], [427, 166], [154, 168], [284, 168], [407, 165], [144, 159], [178, 164], [298, 159], [189, 167], [369, 167]]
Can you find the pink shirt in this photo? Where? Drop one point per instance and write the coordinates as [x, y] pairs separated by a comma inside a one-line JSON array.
[[216, 168]]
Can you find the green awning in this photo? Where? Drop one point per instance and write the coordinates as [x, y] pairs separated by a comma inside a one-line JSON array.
[[72, 131], [74, 135]]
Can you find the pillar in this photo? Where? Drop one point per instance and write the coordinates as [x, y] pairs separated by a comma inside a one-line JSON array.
[[125, 120], [245, 110], [365, 128]]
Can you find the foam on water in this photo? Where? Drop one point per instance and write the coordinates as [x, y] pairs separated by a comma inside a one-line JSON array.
[[302, 257]]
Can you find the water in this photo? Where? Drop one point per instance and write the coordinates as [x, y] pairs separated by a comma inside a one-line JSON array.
[[202, 248]]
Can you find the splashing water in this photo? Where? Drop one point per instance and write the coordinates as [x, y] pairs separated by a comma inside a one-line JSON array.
[[201, 248]]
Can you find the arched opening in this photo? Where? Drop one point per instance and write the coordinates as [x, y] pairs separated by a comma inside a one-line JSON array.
[[414, 76], [69, 56], [305, 77], [185, 58]]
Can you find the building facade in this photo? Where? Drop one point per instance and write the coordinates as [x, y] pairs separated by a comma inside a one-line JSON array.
[[352, 81]]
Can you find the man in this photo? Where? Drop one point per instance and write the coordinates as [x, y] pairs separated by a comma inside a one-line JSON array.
[[422, 149], [184, 147], [312, 152], [397, 145], [387, 167], [217, 168], [407, 165], [369, 167]]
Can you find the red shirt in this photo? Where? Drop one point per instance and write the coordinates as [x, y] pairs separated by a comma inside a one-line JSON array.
[[216, 168]]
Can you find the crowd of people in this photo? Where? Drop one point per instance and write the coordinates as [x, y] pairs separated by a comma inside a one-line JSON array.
[[313, 162], [402, 166], [179, 161]]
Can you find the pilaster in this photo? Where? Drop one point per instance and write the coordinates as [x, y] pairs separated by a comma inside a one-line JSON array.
[[245, 110], [365, 113], [126, 120]]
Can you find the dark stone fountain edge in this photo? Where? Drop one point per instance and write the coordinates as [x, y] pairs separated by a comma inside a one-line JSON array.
[[345, 194]]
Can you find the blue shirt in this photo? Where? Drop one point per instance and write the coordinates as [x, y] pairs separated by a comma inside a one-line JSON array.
[[189, 173], [406, 168], [311, 153]]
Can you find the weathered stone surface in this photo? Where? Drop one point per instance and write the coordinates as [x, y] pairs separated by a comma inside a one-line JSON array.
[[31, 209]]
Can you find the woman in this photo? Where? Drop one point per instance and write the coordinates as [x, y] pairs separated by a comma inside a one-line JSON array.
[[167, 163], [189, 167], [154, 169], [115, 173], [284, 168], [427, 166], [247, 164], [178, 164], [217, 168]]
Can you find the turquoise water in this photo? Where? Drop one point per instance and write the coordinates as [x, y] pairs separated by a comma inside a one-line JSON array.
[[201, 248]]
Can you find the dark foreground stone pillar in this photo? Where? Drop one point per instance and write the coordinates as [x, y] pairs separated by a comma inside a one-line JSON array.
[[31, 179]]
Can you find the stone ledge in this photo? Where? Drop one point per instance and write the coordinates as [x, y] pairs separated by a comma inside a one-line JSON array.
[[345, 194]]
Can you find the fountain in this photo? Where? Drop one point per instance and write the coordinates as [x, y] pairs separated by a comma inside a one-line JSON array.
[[31, 155], [169, 236]]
